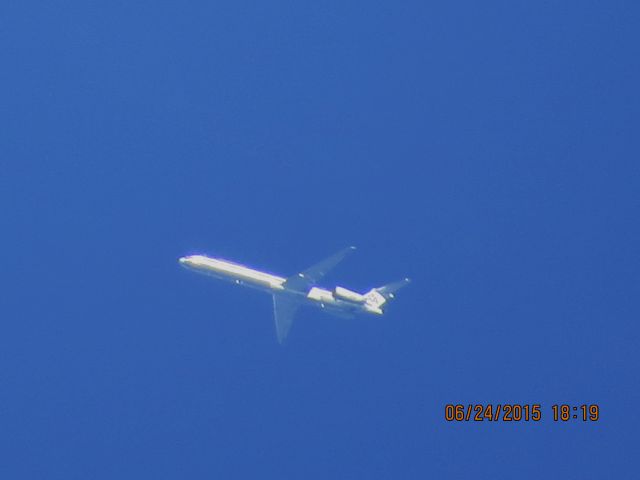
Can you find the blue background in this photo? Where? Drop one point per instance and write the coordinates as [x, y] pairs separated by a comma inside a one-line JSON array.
[[488, 150]]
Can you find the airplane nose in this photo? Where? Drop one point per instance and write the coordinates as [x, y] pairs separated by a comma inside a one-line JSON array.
[[182, 260]]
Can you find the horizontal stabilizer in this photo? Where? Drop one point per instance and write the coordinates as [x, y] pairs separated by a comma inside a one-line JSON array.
[[378, 297], [388, 290]]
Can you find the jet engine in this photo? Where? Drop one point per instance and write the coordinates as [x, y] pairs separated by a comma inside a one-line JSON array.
[[348, 295]]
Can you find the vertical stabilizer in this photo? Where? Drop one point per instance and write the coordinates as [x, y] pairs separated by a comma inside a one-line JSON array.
[[378, 297]]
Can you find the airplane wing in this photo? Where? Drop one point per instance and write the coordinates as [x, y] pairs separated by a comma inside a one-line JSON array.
[[284, 309], [311, 276]]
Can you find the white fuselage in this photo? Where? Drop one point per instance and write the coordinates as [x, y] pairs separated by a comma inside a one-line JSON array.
[[274, 284]]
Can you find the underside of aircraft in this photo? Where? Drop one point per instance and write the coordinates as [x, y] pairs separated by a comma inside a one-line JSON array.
[[299, 289]]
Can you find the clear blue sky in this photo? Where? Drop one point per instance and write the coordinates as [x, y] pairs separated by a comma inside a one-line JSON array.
[[487, 150]]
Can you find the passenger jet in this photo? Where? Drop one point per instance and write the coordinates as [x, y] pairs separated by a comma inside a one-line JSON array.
[[292, 292]]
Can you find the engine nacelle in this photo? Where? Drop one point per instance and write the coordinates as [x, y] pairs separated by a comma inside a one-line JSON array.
[[348, 295]]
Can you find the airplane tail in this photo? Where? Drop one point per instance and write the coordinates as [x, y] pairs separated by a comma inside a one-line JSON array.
[[376, 298]]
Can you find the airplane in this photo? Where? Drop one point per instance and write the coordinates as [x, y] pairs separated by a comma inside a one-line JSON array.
[[292, 292]]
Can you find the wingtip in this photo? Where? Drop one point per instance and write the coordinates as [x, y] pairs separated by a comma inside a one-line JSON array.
[[352, 247], [407, 280]]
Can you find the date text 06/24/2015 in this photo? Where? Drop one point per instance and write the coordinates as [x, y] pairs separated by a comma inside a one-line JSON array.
[[518, 412]]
